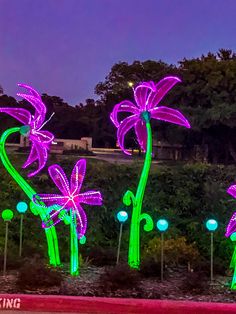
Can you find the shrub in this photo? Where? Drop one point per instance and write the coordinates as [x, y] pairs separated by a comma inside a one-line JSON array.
[[80, 151], [177, 251], [35, 274], [204, 266], [150, 268], [13, 262], [119, 277], [101, 257], [195, 282]]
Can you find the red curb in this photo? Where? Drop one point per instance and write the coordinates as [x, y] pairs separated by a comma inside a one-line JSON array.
[[94, 305]]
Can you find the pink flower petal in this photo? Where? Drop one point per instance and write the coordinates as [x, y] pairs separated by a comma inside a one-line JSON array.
[[77, 176], [40, 109], [50, 200], [124, 106], [162, 88], [30, 89], [124, 127], [231, 228], [33, 156], [42, 155], [91, 198], [44, 137], [169, 115], [22, 115], [54, 203], [141, 133], [232, 190], [59, 178], [141, 93], [81, 221]]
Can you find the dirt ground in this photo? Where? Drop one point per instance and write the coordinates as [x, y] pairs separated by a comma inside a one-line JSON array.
[[149, 288]]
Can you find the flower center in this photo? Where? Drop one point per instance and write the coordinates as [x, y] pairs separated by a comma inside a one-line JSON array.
[[71, 198], [145, 115], [25, 130]]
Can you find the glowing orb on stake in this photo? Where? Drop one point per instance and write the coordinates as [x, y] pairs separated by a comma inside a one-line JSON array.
[[211, 225], [122, 216], [21, 207], [162, 225]]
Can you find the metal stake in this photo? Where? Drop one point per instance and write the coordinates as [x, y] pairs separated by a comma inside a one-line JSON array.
[[118, 250], [162, 255], [5, 250], [212, 256], [21, 234]]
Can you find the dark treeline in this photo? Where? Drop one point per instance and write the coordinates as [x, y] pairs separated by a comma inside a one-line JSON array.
[[207, 97]]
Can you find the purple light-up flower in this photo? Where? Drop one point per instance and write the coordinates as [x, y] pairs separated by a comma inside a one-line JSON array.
[[231, 228], [71, 198], [41, 140], [147, 96]]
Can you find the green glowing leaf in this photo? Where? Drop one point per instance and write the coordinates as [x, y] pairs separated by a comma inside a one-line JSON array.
[[128, 198], [148, 222]]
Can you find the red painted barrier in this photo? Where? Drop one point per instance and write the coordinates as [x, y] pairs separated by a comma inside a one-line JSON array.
[[94, 305]]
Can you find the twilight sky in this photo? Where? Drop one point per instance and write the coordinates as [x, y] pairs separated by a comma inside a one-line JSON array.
[[65, 47]]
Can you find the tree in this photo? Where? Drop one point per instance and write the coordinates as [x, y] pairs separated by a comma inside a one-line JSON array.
[[208, 94], [116, 88], [1, 90]]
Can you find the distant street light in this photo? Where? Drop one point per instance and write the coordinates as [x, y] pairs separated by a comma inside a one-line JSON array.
[[211, 226], [122, 216], [7, 216], [21, 208], [162, 226], [130, 84]]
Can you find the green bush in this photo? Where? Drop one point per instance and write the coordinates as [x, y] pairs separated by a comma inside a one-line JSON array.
[[177, 251], [185, 194]]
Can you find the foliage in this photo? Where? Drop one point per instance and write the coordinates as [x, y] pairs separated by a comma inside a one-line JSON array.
[[177, 251], [203, 265], [150, 268], [119, 277], [187, 195], [79, 152], [195, 282], [99, 256], [34, 274], [206, 96]]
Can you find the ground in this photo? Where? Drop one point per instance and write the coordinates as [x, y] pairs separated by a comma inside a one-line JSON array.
[[149, 288]]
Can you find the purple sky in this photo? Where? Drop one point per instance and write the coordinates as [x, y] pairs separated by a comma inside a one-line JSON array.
[[65, 47]]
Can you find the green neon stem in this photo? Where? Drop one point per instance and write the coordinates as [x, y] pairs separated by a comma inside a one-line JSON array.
[[74, 251], [51, 236], [137, 201], [233, 266]]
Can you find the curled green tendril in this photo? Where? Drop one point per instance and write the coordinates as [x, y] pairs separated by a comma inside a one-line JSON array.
[[129, 198], [34, 208], [148, 222]]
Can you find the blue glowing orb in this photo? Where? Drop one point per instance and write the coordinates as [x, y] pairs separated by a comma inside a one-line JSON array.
[[122, 216], [211, 224], [21, 207], [162, 225]]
